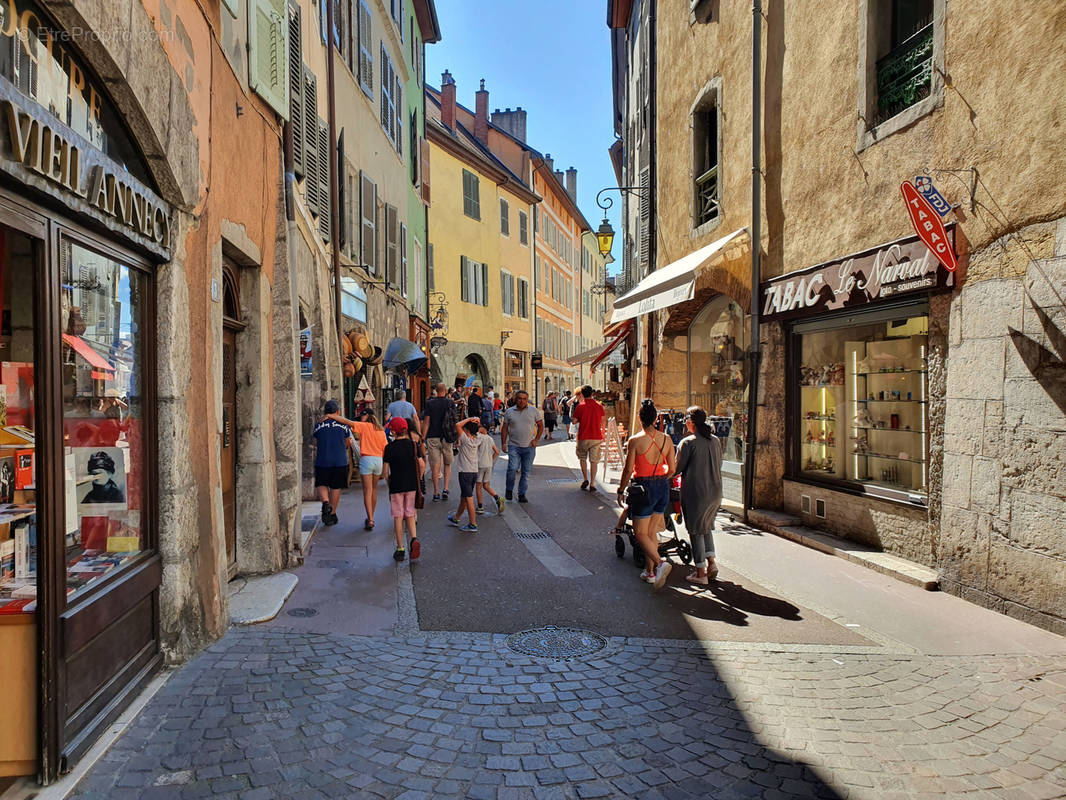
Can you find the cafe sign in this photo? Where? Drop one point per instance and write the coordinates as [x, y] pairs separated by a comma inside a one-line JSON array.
[[886, 272]]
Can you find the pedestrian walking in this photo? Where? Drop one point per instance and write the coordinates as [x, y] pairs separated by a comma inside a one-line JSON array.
[[550, 407], [522, 428], [332, 440], [403, 409], [565, 408], [372, 441], [403, 469], [466, 465], [497, 409], [487, 453], [589, 416], [438, 430], [649, 463], [699, 463]]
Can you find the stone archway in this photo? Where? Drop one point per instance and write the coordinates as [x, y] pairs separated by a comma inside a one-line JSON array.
[[476, 366]]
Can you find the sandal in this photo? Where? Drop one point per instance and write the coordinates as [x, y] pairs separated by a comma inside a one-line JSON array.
[[694, 577], [616, 532]]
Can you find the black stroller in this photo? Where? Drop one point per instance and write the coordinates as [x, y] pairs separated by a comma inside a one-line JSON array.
[[674, 545]]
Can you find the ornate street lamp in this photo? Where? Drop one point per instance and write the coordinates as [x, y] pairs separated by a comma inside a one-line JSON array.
[[605, 236]]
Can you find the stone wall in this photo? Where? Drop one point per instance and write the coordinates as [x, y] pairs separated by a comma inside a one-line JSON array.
[[1004, 496], [451, 361]]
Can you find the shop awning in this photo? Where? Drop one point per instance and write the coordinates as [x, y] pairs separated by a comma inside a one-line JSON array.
[[673, 284], [103, 370], [585, 357], [404, 354], [613, 345], [610, 330]]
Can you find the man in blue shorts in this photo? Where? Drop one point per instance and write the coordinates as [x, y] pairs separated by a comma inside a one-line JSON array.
[[332, 441]]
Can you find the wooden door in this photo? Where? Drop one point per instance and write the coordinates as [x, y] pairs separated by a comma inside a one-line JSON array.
[[228, 445]]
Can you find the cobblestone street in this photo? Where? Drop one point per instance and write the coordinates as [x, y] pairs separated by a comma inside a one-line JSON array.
[[266, 714]]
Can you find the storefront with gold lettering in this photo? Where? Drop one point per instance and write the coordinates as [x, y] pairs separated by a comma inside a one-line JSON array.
[[863, 399], [82, 231]]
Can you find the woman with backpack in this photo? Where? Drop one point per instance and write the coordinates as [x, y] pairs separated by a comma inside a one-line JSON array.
[[550, 407], [649, 465]]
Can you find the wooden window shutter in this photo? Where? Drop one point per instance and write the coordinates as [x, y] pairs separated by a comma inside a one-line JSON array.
[[403, 259], [368, 206], [412, 133], [464, 279], [268, 53], [484, 284], [296, 89], [391, 246], [366, 54], [349, 215], [324, 200], [397, 115], [645, 215], [425, 171], [342, 196], [310, 139]]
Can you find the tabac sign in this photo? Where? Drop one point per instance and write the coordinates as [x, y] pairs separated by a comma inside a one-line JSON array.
[[891, 270], [927, 224]]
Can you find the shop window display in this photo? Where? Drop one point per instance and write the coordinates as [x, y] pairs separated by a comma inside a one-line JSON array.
[[102, 306], [18, 517], [717, 371], [862, 404]]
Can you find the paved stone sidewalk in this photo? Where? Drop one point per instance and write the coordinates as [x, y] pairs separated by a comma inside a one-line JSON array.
[[282, 714]]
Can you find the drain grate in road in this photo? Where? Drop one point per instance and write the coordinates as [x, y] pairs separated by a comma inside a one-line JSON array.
[[561, 644], [532, 535], [302, 612]]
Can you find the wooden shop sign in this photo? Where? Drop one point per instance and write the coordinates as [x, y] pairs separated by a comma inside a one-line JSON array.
[[885, 272], [42, 152]]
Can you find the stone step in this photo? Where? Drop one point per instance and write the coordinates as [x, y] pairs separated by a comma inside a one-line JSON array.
[[789, 527]]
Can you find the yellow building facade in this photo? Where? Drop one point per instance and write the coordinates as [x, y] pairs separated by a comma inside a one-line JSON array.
[[481, 255]]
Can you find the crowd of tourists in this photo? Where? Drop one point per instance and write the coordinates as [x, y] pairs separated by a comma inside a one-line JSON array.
[[456, 428]]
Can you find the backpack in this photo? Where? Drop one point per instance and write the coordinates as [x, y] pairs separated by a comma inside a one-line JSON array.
[[450, 424]]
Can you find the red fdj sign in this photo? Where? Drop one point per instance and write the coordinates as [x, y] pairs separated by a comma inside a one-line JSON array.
[[928, 226]]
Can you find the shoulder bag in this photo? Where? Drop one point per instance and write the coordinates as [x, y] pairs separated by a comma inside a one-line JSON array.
[[636, 495]]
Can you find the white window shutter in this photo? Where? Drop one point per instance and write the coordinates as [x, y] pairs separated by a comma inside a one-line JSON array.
[[268, 57], [368, 202]]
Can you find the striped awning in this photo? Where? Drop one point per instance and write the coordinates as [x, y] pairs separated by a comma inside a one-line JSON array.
[[613, 345], [102, 370]]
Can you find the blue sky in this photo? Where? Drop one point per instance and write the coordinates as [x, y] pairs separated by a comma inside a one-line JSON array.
[[553, 59]]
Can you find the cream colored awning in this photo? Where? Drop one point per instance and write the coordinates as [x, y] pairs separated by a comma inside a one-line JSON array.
[[674, 283]]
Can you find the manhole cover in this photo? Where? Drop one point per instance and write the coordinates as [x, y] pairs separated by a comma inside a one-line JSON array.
[[558, 643], [302, 612], [532, 534]]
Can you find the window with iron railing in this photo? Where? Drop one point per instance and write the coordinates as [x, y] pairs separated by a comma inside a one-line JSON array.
[[705, 165], [905, 74]]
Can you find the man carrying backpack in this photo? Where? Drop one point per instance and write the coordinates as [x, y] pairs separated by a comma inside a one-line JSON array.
[[439, 417]]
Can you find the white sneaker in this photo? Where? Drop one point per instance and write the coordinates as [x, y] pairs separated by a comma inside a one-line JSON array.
[[661, 574]]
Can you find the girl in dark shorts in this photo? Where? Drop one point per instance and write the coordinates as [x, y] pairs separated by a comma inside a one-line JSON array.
[[466, 466]]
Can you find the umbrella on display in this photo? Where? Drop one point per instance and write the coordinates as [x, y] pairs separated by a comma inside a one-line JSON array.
[[404, 354]]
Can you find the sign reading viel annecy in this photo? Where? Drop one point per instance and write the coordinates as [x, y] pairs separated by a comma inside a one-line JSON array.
[[60, 134], [891, 270]]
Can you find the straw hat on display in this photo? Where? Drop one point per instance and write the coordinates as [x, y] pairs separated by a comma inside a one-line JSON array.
[[376, 358], [361, 344]]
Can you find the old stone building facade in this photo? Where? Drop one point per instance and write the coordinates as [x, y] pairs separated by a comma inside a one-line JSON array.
[[921, 415]]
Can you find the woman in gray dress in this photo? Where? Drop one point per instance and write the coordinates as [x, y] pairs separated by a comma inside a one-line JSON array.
[[699, 463]]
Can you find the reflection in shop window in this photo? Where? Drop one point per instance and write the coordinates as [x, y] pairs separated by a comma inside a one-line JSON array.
[[863, 401], [103, 414], [718, 375]]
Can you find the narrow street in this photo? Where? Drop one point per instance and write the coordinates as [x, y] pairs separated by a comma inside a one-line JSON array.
[[795, 675]]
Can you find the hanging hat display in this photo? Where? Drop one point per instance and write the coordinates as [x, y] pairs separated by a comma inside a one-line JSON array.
[[356, 362], [362, 346], [346, 346], [376, 358], [348, 369]]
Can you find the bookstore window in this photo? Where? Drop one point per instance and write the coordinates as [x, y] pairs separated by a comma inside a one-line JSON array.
[[18, 518], [103, 304], [862, 409]]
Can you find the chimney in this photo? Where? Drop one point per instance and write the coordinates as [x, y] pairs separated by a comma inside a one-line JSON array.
[[447, 100], [549, 162], [561, 177], [514, 122], [481, 119], [571, 183]]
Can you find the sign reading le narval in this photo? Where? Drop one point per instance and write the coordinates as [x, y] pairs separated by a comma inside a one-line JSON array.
[[885, 272]]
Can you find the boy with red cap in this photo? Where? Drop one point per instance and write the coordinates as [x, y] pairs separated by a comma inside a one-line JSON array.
[[403, 468]]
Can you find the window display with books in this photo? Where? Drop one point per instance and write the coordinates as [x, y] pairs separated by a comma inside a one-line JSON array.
[[862, 404], [103, 414]]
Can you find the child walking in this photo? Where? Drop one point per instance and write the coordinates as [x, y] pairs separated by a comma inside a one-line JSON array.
[[466, 464], [487, 453], [403, 466]]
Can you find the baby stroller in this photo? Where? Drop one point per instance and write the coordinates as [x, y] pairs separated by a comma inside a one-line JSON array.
[[675, 544]]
